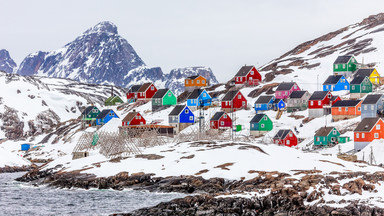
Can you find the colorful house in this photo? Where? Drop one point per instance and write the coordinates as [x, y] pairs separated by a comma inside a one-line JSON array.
[[25, 146], [132, 93], [133, 118], [146, 91], [199, 98], [279, 104], [285, 89], [285, 137], [371, 73], [232, 101], [220, 120], [163, 98], [181, 117], [372, 106], [264, 103], [113, 100], [193, 82], [368, 130], [248, 75], [326, 136], [88, 116], [260, 125], [360, 86], [105, 116], [319, 104], [346, 109], [298, 101], [336, 83], [344, 65]]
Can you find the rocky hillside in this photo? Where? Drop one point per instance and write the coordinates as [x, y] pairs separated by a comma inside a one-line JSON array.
[[101, 56], [314, 58], [6, 62]]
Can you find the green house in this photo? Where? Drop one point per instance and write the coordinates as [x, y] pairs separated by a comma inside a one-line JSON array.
[[326, 136], [113, 100], [162, 99], [360, 84], [260, 125], [88, 116], [345, 65]]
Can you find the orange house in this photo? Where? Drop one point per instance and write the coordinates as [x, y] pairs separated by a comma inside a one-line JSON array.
[[368, 130], [346, 109], [193, 82]]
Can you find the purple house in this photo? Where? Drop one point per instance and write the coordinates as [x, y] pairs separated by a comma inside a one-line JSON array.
[[285, 89]]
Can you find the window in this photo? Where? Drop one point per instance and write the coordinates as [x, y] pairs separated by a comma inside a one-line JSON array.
[[243, 103], [359, 109], [203, 81], [363, 87], [212, 123], [191, 81], [319, 102], [137, 117], [343, 66], [169, 94], [186, 81], [222, 123], [285, 93], [372, 107], [357, 135], [186, 111], [152, 88], [376, 135], [141, 123], [317, 139], [353, 87], [336, 66], [110, 114], [252, 72], [205, 95], [288, 142], [290, 134], [262, 125], [365, 107], [346, 109], [345, 87], [239, 97], [311, 103], [329, 95], [191, 118], [378, 127], [197, 81], [362, 135], [265, 118], [334, 132], [279, 93], [326, 87], [225, 115], [339, 109]]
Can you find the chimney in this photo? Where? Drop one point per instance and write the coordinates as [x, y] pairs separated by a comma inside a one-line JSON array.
[[112, 91]]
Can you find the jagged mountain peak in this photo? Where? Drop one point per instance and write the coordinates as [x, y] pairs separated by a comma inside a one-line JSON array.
[[6, 62], [103, 27]]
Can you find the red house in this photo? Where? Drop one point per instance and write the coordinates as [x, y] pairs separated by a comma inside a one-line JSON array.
[[285, 137], [248, 75], [133, 118], [221, 120], [368, 130], [132, 93], [320, 102], [146, 91], [233, 101]]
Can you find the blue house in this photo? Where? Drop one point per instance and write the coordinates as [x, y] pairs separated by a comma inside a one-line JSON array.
[[279, 104], [105, 116], [199, 97], [181, 114], [336, 83], [264, 103], [372, 106], [25, 147]]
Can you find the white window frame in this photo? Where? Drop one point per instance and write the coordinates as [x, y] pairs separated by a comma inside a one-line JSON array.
[[357, 135], [319, 103], [186, 111], [339, 109], [363, 88], [152, 88], [225, 116], [336, 66], [362, 135], [346, 109], [334, 132], [290, 134], [222, 123], [265, 118], [372, 107], [377, 127], [203, 81], [288, 142], [186, 81], [197, 81], [359, 109], [353, 87], [343, 66], [262, 125], [311, 103], [191, 118], [239, 96], [252, 73], [204, 94], [376, 135]]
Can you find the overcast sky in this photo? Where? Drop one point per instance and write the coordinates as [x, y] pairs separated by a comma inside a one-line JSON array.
[[221, 34]]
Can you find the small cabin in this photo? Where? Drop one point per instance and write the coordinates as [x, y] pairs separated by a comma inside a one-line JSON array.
[[260, 124], [163, 98], [105, 116], [199, 98], [194, 82], [320, 102], [360, 86], [336, 83], [326, 136], [264, 103], [25, 147], [133, 118], [346, 109], [372, 106], [371, 73], [113, 100], [88, 116], [220, 120], [132, 93], [232, 101], [181, 117], [146, 91], [285, 89], [279, 104], [298, 101], [285, 137], [367, 130], [344, 65], [248, 75]]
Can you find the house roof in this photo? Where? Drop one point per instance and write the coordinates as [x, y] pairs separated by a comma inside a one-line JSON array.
[[277, 100], [366, 124], [324, 131], [333, 98], [284, 86], [230, 95], [297, 94], [244, 71], [130, 116], [357, 80], [364, 72], [177, 110], [87, 110], [192, 77], [372, 99], [318, 95], [195, 93], [103, 113], [112, 98], [342, 59], [160, 93], [257, 118], [134, 88], [264, 99], [217, 116], [333, 79], [281, 134], [346, 103], [144, 87]]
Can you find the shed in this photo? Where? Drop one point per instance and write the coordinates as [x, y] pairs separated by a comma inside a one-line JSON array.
[[25, 147]]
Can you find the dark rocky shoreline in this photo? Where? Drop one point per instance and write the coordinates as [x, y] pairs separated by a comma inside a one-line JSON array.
[[13, 169], [283, 194]]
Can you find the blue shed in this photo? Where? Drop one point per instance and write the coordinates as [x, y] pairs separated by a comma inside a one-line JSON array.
[[279, 104], [105, 116], [181, 114], [336, 83], [264, 103], [25, 147], [199, 97]]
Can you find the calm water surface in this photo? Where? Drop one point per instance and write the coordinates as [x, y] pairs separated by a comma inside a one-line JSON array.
[[23, 199]]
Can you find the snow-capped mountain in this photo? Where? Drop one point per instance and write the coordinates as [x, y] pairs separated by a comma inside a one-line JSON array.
[[101, 56], [6, 62], [311, 62]]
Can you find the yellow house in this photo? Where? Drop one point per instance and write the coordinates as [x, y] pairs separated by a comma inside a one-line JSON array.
[[371, 73]]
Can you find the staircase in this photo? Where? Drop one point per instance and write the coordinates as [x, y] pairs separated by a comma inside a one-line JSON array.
[[279, 114]]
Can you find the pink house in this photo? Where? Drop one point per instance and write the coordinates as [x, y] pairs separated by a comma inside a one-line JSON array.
[[285, 89]]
